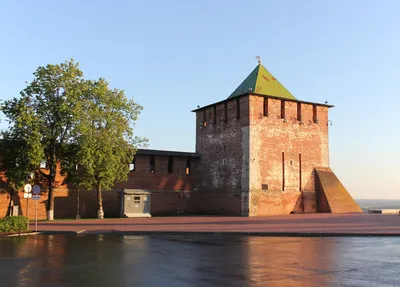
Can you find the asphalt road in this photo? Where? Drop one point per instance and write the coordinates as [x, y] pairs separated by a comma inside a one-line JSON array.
[[117, 260], [316, 223]]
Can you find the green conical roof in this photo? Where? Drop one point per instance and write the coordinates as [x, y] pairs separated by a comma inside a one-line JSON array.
[[260, 81]]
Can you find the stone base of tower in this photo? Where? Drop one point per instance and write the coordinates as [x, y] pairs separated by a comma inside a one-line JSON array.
[[255, 203], [262, 203], [222, 203], [332, 196]]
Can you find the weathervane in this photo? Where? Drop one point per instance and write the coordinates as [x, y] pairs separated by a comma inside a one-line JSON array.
[[258, 58]]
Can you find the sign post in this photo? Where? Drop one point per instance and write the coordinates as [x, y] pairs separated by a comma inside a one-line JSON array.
[[36, 197], [27, 195]]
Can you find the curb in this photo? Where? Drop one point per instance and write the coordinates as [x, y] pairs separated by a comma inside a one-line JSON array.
[[21, 234], [220, 233], [266, 234], [55, 232]]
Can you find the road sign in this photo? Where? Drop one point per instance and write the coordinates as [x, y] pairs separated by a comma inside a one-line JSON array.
[[36, 197], [36, 190], [27, 188], [27, 195]]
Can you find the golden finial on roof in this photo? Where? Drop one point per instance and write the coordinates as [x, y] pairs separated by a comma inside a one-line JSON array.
[[258, 58]]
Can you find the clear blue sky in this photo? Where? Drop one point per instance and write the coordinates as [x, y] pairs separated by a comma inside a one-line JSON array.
[[171, 56]]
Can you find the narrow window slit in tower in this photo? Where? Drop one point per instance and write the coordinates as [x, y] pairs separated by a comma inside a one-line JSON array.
[[315, 117], [188, 166], [282, 109], [132, 166], [170, 164], [299, 116], [226, 111], [283, 171], [300, 180], [237, 108], [215, 114], [266, 114]]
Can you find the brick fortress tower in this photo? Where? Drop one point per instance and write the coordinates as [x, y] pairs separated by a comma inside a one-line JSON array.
[[264, 152]]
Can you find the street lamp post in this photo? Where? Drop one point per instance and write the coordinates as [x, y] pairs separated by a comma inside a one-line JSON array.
[[31, 175], [78, 215]]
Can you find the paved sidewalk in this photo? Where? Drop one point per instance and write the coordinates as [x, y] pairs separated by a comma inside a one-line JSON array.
[[294, 224]]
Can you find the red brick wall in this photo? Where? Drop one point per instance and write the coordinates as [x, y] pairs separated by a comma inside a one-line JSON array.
[[271, 135], [278, 202], [65, 204], [61, 192], [223, 149], [172, 202], [142, 178], [164, 202], [218, 203]]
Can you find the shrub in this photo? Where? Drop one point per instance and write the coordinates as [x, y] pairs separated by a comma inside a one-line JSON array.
[[14, 224]]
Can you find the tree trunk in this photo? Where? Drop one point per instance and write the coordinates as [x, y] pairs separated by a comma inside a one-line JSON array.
[[50, 200], [100, 213], [10, 204]]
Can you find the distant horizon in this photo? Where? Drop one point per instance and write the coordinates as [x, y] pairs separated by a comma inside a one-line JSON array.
[[377, 199]]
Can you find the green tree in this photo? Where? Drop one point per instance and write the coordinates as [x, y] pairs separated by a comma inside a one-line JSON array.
[[104, 144], [44, 116], [17, 161]]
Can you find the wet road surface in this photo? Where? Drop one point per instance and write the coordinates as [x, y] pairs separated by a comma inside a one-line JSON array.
[[315, 223], [126, 260]]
